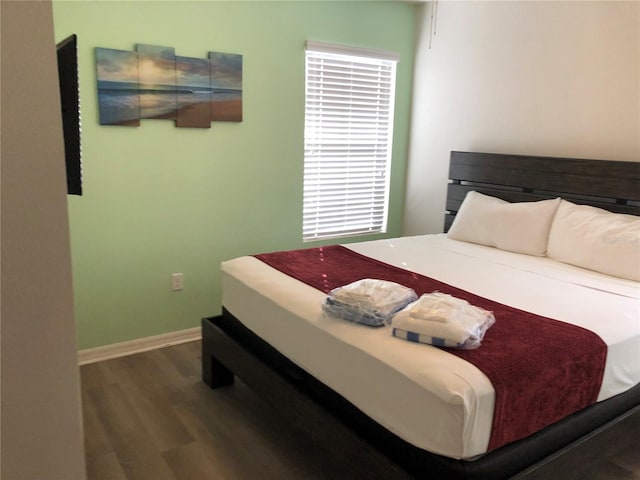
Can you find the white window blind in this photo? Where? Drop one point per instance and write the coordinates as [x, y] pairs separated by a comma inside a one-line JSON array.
[[348, 133]]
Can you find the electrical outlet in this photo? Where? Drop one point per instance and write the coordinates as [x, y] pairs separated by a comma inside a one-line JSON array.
[[177, 282]]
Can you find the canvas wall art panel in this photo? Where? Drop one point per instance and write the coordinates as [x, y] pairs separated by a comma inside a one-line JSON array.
[[157, 76], [194, 92], [118, 96], [226, 86]]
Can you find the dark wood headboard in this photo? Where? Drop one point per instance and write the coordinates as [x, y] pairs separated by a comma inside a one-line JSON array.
[[607, 184]]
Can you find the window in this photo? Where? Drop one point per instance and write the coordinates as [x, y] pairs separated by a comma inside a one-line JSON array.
[[348, 134]]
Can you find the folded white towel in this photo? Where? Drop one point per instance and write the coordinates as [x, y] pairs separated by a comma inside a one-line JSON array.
[[453, 332], [437, 307], [459, 325], [371, 295], [368, 301]]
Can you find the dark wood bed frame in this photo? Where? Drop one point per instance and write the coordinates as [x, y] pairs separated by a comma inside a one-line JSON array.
[[229, 348]]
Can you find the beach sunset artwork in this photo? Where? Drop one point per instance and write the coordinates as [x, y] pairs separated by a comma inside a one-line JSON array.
[[118, 89], [157, 77], [194, 93], [226, 86], [153, 83]]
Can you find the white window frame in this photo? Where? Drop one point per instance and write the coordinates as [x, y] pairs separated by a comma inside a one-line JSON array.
[[349, 112]]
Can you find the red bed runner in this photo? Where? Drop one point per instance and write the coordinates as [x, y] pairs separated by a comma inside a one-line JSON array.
[[542, 370]]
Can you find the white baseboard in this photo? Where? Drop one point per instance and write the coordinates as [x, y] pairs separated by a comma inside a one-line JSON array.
[[115, 350]]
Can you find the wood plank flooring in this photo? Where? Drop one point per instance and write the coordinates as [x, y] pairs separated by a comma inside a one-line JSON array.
[[150, 417]]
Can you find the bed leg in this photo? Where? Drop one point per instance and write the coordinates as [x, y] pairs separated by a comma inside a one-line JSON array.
[[214, 373]]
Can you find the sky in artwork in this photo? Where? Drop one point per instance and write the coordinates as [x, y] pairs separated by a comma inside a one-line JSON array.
[[192, 72], [117, 65], [151, 65], [226, 70], [156, 65]]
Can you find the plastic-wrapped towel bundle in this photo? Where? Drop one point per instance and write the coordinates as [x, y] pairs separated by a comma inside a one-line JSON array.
[[444, 321], [369, 301]]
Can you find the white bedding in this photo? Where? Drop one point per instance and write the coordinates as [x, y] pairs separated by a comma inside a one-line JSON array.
[[428, 397]]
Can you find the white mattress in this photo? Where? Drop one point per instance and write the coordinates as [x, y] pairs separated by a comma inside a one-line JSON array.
[[428, 397]]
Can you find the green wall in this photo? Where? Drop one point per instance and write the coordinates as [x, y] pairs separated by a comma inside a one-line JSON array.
[[159, 199]]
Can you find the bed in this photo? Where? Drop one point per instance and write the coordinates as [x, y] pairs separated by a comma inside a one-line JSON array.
[[427, 409]]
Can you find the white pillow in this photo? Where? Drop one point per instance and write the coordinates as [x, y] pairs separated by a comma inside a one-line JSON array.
[[596, 239], [518, 227]]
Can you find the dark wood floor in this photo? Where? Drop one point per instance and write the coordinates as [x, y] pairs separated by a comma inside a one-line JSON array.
[[149, 417]]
